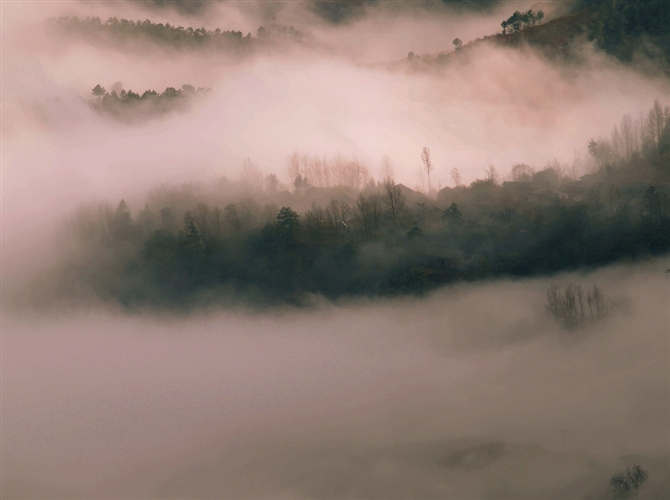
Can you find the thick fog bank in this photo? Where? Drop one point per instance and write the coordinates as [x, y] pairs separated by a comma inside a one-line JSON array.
[[499, 400]]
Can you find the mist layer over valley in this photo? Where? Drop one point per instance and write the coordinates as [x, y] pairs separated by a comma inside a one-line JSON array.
[[282, 250], [465, 394]]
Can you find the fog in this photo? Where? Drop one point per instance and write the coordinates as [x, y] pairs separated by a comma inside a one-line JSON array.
[[470, 392], [100, 404]]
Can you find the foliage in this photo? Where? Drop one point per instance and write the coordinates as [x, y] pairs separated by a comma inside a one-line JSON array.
[[130, 106], [521, 20], [452, 214], [623, 27]]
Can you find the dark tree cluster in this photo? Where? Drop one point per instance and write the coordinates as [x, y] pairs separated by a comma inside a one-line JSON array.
[[573, 306], [385, 240], [126, 31], [625, 27], [131, 106], [521, 20]]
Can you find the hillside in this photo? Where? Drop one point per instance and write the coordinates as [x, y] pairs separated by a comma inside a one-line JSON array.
[[631, 32]]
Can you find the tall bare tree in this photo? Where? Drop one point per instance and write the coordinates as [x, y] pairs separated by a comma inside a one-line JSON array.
[[365, 212], [427, 165], [492, 175], [456, 177], [393, 199]]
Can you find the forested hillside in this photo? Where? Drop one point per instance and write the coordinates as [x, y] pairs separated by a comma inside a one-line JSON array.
[[339, 233]]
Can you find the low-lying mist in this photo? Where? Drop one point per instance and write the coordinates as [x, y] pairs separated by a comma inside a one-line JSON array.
[[496, 397]]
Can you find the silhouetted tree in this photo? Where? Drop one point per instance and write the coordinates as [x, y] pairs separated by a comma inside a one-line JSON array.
[[271, 183], [99, 91], [427, 165], [522, 172], [393, 199], [492, 175], [629, 480], [452, 215], [287, 222], [121, 223], [456, 177]]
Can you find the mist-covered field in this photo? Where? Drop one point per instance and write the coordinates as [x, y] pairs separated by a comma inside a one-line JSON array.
[[331, 273]]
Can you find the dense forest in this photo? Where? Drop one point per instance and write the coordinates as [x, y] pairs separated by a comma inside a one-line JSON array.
[[626, 27], [339, 233]]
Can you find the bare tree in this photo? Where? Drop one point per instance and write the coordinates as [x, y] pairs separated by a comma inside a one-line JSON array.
[[370, 211], [293, 167], [386, 169], [576, 166], [656, 118], [554, 302], [570, 304], [336, 213], [316, 221], [271, 183], [427, 165], [456, 177], [393, 199], [269, 213], [522, 172], [251, 175], [596, 302], [628, 136], [90, 223], [492, 175], [200, 216], [629, 480], [377, 212]]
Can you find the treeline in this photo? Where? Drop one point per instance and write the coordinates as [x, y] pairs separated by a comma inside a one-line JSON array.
[[521, 20], [625, 27], [131, 106], [385, 239], [574, 306], [127, 31], [647, 135], [310, 170]]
